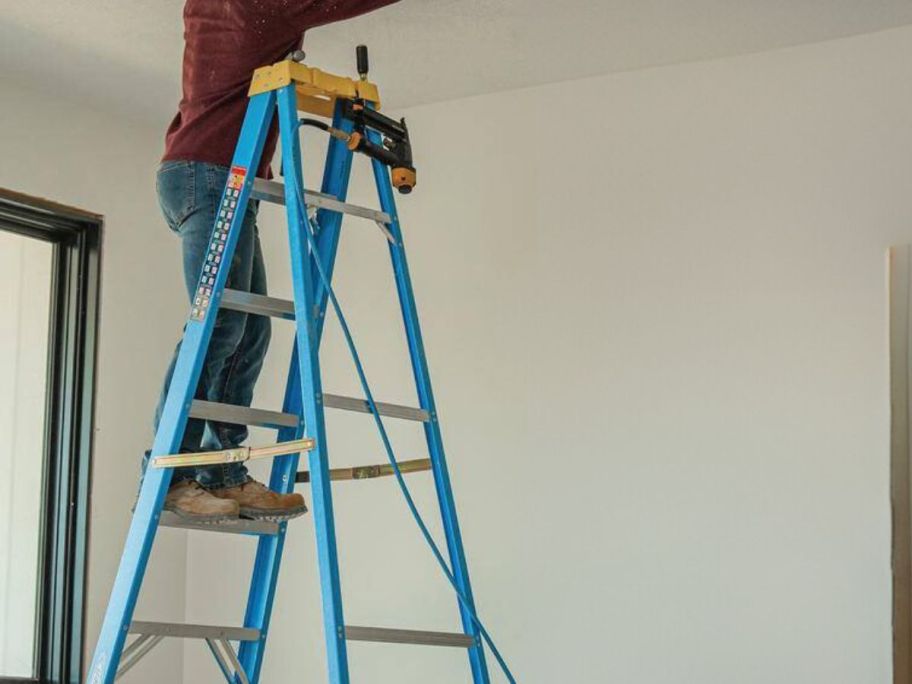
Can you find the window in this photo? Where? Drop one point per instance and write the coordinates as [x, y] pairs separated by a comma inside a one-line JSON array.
[[49, 269]]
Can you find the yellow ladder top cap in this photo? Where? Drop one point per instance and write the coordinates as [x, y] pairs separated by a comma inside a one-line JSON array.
[[314, 87]]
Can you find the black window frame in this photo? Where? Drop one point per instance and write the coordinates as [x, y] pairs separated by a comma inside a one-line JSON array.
[[76, 237]]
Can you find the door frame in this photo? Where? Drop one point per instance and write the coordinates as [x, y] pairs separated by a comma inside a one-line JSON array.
[[76, 236]]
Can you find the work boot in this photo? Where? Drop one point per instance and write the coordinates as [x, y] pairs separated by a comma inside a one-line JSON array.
[[193, 503], [258, 502]]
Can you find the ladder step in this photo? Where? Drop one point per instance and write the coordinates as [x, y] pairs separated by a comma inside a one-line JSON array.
[[240, 526], [184, 631], [408, 636], [241, 415], [237, 300], [272, 191], [361, 406], [370, 471]]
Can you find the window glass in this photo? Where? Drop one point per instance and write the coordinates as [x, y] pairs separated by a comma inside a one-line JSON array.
[[25, 287]]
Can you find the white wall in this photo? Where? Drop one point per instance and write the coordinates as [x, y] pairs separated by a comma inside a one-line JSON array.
[[73, 153], [655, 311], [25, 301]]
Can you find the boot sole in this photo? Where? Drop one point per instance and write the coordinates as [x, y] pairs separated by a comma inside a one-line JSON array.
[[203, 519], [272, 516]]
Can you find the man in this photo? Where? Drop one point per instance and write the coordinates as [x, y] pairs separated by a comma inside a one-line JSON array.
[[225, 40]]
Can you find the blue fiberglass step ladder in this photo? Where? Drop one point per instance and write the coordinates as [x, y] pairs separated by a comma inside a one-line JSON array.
[[314, 222]]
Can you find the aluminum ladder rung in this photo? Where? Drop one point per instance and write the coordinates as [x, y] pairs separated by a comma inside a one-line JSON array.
[[241, 415], [149, 634], [186, 631], [370, 471], [240, 526], [273, 191], [361, 406], [237, 300], [408, 636]]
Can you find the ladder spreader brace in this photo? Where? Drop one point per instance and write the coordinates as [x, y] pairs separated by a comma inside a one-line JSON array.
[[236, 455], [282, 90]]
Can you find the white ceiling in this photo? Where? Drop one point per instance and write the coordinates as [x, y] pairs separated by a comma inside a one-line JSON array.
[[126, 53]]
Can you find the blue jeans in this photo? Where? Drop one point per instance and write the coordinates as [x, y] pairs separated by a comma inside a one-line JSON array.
[[189, 194]]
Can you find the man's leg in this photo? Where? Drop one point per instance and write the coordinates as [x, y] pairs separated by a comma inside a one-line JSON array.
[[235, 385], [238, 346], [190, 195]]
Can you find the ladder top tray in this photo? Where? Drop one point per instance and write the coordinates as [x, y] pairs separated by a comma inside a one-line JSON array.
[[317, 90]]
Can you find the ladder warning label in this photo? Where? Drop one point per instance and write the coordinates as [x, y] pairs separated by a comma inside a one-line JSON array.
[[236, 177], [223, 223]]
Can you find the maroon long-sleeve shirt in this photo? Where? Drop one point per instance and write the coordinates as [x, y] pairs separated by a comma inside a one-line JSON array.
[[225, 40]]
